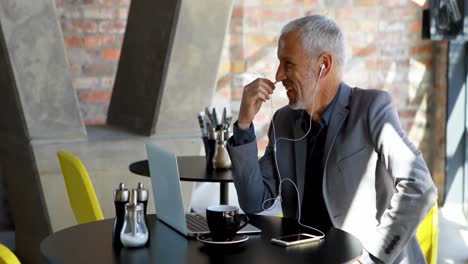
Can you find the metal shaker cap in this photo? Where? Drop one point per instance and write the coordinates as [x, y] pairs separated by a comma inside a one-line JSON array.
[[133, 204], [121, 194], [142, 193], [212, 134], [226, 134]]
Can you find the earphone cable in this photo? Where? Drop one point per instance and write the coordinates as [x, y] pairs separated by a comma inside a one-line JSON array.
[[275, 141]]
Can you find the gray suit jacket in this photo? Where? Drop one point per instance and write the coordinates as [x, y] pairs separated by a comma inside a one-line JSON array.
[[376, 184]]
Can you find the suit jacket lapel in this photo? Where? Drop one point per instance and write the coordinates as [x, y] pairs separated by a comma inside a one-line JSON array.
[[339, 114]]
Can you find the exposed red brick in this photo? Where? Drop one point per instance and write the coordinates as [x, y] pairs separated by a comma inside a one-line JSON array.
[[96, 12], [85, 83], [110, 27], [424, 49], [393, 3], [236, 93], [261, 40], [114, 2], [401, 13], [366, 2], [72, 41], [377, 64], [415, 27], [276, 2], [224, 92], [97, 69], [351, 25], [97, 41], [238, 66], [111, 54], [237, 12], [96, 96], [224, 81], [365, 51], [308, 3], [356, 13], [80, 26], [252, 13], [427, 62], [276, 14], [107, 82], [122, 13], [91, 122]]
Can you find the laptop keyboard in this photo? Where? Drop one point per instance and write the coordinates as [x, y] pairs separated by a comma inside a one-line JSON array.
[[196, 223]]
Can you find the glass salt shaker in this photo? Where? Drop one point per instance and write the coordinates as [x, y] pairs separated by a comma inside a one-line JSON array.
[[134, 230]]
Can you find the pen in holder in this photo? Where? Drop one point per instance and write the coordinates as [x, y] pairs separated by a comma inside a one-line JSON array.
[[209, 143]]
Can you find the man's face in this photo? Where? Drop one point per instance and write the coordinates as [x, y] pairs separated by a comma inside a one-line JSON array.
[[294, 70]]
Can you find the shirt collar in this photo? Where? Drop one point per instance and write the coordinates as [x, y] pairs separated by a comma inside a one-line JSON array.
[[325, 118]]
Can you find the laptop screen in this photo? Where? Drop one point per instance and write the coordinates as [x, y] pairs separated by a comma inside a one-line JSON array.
[[165, 181]]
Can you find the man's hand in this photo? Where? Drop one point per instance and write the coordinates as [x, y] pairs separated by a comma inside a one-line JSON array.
[[255, 93]]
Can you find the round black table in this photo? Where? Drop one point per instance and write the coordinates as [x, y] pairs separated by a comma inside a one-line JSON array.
[[92, 243], [193, 168]]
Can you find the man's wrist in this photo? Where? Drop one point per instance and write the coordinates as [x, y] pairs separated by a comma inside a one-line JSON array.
[[243, 125], [242, 136]]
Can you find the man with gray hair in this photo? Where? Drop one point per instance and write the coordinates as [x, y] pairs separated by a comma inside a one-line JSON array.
[[337, 156]]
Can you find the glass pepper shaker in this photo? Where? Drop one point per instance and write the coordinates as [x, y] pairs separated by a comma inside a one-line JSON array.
[[142, 197], [121, 197], [134, 230]]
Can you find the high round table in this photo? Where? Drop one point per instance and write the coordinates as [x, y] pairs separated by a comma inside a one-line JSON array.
[[193, 168], [92, 243]]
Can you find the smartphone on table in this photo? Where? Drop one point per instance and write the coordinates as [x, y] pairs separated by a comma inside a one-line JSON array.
[[295, 239]]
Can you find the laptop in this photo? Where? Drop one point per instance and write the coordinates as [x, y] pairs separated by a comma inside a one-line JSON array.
[[167, 195]]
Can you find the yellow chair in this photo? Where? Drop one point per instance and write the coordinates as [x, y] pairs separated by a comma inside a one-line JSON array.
[[428, 233], [83, 200], [6, 256]]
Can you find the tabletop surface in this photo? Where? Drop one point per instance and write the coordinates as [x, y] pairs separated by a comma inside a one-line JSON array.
[[191, 168], [92, 243]]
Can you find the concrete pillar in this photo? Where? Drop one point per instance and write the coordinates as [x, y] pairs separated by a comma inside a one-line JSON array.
[[38, 103], [168, 65]]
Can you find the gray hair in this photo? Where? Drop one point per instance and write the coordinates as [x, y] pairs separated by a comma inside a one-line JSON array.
[[319, 34]]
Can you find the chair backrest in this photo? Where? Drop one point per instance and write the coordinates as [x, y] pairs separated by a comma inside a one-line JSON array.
[[83, 200], [428, 233], [7, 257]]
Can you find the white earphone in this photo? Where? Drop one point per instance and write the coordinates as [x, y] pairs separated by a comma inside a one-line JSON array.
[[322, 67], [275, 140]]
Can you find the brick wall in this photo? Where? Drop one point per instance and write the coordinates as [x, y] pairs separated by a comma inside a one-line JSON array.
[[93, 32], [385, 51]]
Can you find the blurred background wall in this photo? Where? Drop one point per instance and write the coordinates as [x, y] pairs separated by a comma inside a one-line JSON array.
[[385, 51]]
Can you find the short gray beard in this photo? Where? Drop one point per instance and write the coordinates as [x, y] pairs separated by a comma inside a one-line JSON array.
[[299, 105]]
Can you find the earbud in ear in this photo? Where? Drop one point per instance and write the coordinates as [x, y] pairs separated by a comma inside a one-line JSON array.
[[322, 67]]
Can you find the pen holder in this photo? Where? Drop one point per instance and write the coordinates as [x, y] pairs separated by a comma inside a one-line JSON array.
[[210, 145]]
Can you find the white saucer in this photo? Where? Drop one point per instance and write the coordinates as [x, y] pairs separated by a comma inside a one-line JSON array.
[[206, 238]]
